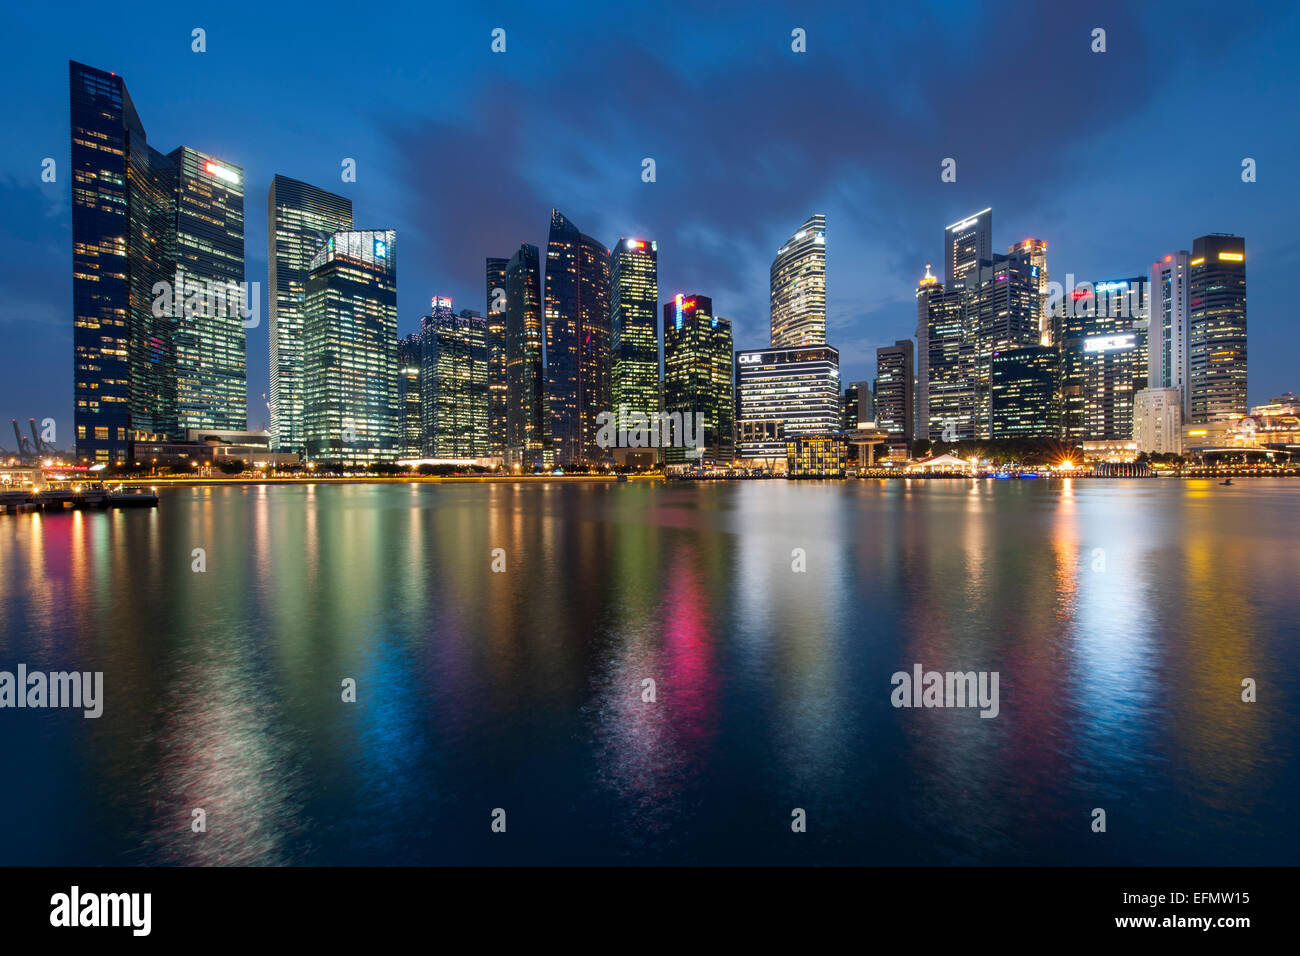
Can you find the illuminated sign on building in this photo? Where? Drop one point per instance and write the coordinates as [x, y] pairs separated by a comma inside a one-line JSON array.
[[381, 252], [1109, 343], [229, 175]]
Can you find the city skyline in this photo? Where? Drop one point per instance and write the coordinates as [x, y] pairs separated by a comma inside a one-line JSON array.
[[722, 242]]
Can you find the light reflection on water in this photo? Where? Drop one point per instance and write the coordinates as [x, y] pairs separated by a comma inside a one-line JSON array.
[[1121, 616]]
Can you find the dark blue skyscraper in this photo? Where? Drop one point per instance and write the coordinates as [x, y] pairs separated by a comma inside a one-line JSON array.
[[577, 340]]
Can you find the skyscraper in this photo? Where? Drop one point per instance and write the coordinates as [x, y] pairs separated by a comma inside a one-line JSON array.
[[1170, 327], [211, 345], [350, 396], [859, 405], [496, 344], [145, 362], [527, 434], [966, 243], [454, 382], [946, 379], [1025, 392], [1101, 335], [894, 383], [1036, 250], [577, 340], [1217, 323], [1000, 310], [698, 379], [300, 218], [781, 393], [410, 408], [633, 302], [798, 287]]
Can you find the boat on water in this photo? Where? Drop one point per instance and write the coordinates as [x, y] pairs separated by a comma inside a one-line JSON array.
[[1226, 481], [132, 496]]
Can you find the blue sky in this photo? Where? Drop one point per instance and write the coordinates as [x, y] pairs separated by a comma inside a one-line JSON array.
[[1114, 158]]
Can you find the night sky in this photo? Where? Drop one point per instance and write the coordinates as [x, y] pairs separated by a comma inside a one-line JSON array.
[[1114, 159]]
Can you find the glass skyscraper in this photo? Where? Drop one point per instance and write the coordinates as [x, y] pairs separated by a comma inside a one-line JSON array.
[[966, 244], [145, 363], [946, 376], [1170, 328], [1217, 320], [527, 438], [698, 379], [409, 401], [350, 394], [633, 303], [577, 341], [894, 391], [1000, 310], [454, 382], [211, 343], [496, 344], [1024, 392], [798, 287], [300, 219]]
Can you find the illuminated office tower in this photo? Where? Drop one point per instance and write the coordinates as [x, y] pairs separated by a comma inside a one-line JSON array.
[[410, 407], [1111, 367], [946, 377], [1000, 310], [1090, 374], [350, 397], [798, 287], [496, 339], [894, 385], [119, 382], [1217, 323], [698, 380], [1036, 249], [1024, 392], [576, 306], [527, 438], [211, 346], [300, 219], [454, 382], [966, 244], [633, 302], [1170, 327], [781, 393]]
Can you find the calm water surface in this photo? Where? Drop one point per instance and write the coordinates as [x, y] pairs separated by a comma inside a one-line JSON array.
[[1120, 669]]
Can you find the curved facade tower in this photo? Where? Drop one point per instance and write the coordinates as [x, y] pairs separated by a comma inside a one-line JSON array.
[[799, 287]]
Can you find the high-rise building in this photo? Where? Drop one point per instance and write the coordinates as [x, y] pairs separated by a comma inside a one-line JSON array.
[[300, 219], [859, 406], [946, 377], [211, 346], [350, 397], [1170, 326], [527, 434], [1158, 421], [698, 380], [1093, 324], [895, 375], [1036, 250], [633, 302], [1024, 392], [798, 287], [966, 244], [577, 341], [783, 392], [1113, 371], [498, 402], [409, 404], [454, 382], [1217, 323], [146, 363], [1000, 310]]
